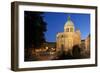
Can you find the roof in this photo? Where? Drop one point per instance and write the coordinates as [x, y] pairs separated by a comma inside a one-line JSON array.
[[51, 44], [69, 22]]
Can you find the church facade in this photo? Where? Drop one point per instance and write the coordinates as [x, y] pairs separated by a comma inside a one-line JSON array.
[[69, 38]]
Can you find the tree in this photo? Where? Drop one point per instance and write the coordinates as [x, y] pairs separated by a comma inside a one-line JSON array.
[[35, 27], [76, 51]]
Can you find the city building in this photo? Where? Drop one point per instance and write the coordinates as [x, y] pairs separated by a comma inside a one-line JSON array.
[[65, 41], [87, 46]]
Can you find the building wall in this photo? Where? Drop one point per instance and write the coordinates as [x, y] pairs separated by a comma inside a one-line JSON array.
[[87, 44], [66, 40], [77, 38]]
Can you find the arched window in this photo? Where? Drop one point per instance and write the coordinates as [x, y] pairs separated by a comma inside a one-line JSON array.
[[62, 36], [71, 29], [67, 30]]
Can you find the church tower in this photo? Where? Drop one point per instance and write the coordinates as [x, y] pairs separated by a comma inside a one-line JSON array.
[[69, 38], [69, 25]]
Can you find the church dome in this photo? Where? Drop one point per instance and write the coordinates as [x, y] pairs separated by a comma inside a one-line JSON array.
[[69, 25], [69, 22]]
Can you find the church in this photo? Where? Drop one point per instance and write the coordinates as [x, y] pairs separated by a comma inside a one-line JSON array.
[[69, 38], [68, 45]]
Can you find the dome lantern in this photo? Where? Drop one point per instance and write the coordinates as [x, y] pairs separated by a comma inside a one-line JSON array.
[[69, 25]]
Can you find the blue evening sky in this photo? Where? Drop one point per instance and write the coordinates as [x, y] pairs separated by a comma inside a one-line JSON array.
[[56, 21]]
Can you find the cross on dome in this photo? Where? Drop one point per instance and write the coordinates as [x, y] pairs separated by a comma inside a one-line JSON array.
[[69, 18], [69, 22]]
